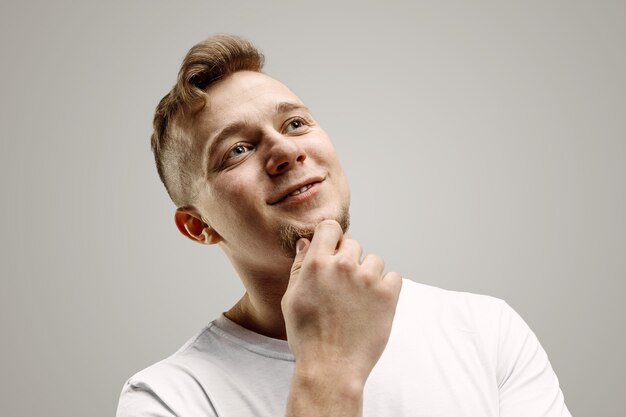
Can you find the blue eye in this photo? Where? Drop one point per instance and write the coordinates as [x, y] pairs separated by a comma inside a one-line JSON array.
[[239, 150], [294, 124]]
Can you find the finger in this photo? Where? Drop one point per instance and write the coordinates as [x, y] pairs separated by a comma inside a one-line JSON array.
[[302, 247], [394, 281], [326, 238], [351, 248], [374, 262]]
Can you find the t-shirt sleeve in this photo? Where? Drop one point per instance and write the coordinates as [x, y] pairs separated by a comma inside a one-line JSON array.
[[527, 384], [159, 399], [140, 400]]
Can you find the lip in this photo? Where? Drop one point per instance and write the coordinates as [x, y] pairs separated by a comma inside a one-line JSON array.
[[285, 194]]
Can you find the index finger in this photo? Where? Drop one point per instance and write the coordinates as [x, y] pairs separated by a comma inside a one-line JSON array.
[[326, 238]]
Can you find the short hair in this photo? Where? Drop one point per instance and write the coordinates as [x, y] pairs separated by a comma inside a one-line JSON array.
[[172, 141]]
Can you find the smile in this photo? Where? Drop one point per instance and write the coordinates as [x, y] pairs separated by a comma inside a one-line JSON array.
[[300, 192]]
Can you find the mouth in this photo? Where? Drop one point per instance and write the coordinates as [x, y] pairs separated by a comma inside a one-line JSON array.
[[293, 192]]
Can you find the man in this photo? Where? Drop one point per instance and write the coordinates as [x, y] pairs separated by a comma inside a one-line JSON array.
[[321, 329]]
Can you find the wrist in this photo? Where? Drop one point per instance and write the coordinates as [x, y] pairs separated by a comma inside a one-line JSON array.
[[329, 380], [323, 393]]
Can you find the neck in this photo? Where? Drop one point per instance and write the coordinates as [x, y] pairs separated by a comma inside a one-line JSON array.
[[259, 310]]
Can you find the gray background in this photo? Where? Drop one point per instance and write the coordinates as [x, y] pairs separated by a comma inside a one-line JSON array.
[[485, 143]]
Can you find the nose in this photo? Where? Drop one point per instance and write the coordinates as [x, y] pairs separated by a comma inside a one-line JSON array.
[[284, 153]]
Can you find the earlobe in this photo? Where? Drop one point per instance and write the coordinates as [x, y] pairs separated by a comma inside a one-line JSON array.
[[190, 224]]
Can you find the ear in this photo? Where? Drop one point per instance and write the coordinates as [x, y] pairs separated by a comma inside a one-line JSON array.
[[190, 224]]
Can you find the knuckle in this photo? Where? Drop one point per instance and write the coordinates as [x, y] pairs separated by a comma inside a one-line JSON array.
[[303, 307], [380, 262], [345, 264], [375, 262], [392, 287], [354, 244], [386, 292], [368, 275], [314, 264]]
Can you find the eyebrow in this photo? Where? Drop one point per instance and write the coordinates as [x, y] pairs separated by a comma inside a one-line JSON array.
[[286, 106], [235, 127]]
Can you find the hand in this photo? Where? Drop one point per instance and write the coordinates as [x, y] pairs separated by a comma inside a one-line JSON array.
[[338, 310]]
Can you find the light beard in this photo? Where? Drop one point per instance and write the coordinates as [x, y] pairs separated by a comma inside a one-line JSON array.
[[290, 234]]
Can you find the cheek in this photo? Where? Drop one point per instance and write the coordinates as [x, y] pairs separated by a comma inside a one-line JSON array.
[[323, 151], [229, 193], [235, 198]]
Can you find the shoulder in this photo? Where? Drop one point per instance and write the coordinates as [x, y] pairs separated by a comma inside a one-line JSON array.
[[437, 314], [170, 386], [462, 308]]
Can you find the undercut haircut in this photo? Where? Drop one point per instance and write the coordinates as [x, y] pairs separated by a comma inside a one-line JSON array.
[[172, 138]]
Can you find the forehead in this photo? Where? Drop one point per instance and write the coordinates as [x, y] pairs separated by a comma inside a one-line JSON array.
[[244, 94]]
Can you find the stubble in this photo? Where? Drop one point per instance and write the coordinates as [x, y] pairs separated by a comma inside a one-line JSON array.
[[290, 234]]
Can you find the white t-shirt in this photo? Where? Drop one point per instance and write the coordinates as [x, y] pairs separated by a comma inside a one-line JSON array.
[[450, 354]]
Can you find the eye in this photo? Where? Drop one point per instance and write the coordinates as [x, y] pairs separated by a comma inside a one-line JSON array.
[[295, 124], [237, 150]]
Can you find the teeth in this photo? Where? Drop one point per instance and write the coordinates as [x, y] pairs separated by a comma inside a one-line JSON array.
[[301, 190]]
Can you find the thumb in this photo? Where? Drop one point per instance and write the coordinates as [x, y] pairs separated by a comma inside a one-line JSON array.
[[302, 247]]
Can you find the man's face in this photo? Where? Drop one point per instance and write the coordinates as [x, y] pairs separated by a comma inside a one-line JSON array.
[[268, 168]]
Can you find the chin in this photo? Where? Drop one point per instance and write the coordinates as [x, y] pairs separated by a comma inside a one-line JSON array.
[[289, 234]]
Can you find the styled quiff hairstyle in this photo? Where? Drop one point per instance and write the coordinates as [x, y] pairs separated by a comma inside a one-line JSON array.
[[172, 139]]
